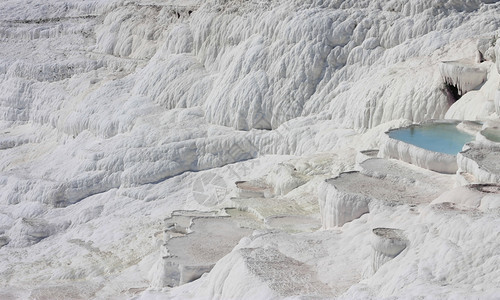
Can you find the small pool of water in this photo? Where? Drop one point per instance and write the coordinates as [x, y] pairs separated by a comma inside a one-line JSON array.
[[492, 134], [438, 137]]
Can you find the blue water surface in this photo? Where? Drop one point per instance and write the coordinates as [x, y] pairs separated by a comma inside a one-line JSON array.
[[444, 138]]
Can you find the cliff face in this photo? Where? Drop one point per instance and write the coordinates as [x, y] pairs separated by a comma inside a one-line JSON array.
[[107, 106]]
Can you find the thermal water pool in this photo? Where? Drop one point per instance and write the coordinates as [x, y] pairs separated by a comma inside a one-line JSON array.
[[438, 137], [492, 134]]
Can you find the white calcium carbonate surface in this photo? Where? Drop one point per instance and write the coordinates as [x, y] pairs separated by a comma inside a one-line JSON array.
[[114, 113]]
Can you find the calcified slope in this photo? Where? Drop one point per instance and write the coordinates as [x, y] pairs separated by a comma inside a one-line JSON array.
[[106, 107]]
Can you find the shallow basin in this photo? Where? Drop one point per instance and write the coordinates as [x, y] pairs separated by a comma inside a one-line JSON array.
[[432, 145], [437, 137], [492, 134]]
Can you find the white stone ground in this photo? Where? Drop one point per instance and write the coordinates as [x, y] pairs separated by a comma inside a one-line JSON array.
[[114, 114]]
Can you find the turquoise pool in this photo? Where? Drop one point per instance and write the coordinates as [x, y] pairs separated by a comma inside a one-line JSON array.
[[438, 137]]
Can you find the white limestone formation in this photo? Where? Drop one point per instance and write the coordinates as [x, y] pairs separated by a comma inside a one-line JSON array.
[[480, 196], [363, 155], [337, 207], [380, 182], [398, 171], [284, 178], [481, 161], [486, 48], [386, 243], [479, 103], [4, 240], [253, 189], [192, 248], [113, 111], [29, 231], [463, 75]]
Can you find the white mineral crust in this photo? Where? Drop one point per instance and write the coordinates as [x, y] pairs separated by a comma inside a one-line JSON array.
[[116, 113]]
